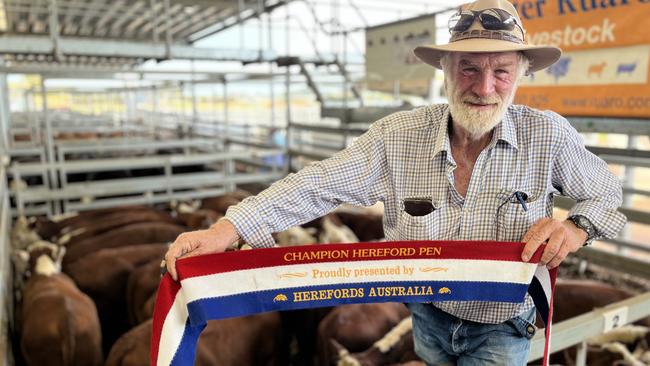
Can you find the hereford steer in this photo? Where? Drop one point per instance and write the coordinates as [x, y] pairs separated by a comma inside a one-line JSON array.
[[396, 346], [296, 235], [356, 327], [366, 226], [103, 275], [110, 222], [22, 235], [60, 325], [221, 203], [246, 341], [199, 219], [334, 231], [141, 287], [141, 233], [48, 228]]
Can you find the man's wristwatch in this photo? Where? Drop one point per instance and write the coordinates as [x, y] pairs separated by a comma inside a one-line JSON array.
[[583, 223]]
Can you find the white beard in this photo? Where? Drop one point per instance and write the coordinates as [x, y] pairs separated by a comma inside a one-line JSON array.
[[476, 122]]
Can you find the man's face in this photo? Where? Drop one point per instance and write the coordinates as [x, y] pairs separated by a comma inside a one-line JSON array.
[[480, 88]]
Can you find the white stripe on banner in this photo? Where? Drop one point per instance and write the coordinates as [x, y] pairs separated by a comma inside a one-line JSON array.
[[297, 275], [172, 331]]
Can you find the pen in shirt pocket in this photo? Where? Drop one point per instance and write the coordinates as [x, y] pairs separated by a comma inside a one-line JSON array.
[[521, 197]]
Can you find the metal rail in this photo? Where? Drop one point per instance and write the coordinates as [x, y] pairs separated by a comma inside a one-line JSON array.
[[576, 331], [632, 266], [162, 185]]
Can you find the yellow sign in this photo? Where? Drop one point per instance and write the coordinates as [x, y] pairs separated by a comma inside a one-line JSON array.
[[604, 67]]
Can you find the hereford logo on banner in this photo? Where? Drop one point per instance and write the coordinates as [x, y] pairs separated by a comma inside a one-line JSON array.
[[247, 282], [604, 67], [390, 62]]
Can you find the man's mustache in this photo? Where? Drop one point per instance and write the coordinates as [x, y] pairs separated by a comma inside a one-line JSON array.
[[479, 100]]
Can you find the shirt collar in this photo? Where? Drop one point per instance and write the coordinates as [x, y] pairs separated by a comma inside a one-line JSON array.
[[504, 131], [442, 136]]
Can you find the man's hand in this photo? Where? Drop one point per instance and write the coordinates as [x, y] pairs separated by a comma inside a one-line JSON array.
[[563, 238], [213, 240]]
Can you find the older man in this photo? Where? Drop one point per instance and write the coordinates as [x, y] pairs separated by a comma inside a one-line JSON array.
[[478, 168]]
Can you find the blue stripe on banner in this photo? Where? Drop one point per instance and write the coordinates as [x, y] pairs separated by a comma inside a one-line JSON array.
[[185, 352], [331, 295]]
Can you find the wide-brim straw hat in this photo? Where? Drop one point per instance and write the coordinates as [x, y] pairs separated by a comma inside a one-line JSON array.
[[477, 39]]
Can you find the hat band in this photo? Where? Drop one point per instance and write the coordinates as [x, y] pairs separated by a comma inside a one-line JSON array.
[[487, 34]]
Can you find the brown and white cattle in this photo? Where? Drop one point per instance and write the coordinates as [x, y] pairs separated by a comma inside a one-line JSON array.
[[111, 222], [356, 327], [221, 203], [296, 235], [49, 228], [140, 233], [366, 226], [334, 231], [22, 234], [60, 325], [246, 341], [104, 274], [394, 347], [140, 289], [199, 219]]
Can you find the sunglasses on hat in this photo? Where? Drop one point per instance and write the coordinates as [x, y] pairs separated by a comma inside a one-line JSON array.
[[491, 19]]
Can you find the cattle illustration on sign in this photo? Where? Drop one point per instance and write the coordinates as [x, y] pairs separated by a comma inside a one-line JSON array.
[[596, 69], [559, 69]]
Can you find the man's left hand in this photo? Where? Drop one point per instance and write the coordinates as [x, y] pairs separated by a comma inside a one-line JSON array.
[[562, 238]]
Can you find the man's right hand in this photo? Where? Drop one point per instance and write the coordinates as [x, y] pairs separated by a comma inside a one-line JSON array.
[[213, 240]]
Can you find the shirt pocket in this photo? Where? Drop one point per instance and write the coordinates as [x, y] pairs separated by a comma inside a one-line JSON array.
[[513, 220], [427, 227]]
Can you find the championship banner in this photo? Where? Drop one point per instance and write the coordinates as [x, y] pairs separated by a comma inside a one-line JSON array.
[[240, 283]]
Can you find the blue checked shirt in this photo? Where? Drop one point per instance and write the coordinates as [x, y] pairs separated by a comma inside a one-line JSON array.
[[408, 155]]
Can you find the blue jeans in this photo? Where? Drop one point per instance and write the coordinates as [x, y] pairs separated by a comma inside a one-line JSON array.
[[443, 339]]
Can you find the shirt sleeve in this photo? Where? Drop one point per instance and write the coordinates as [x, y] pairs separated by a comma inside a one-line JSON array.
[[584, 177], [356, 175]]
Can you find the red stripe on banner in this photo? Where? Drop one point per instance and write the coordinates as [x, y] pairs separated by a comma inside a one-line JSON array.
[[167, 291], [321, 253]]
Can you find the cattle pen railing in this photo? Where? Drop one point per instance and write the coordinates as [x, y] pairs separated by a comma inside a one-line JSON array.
[[6, 283], [165, 180]]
